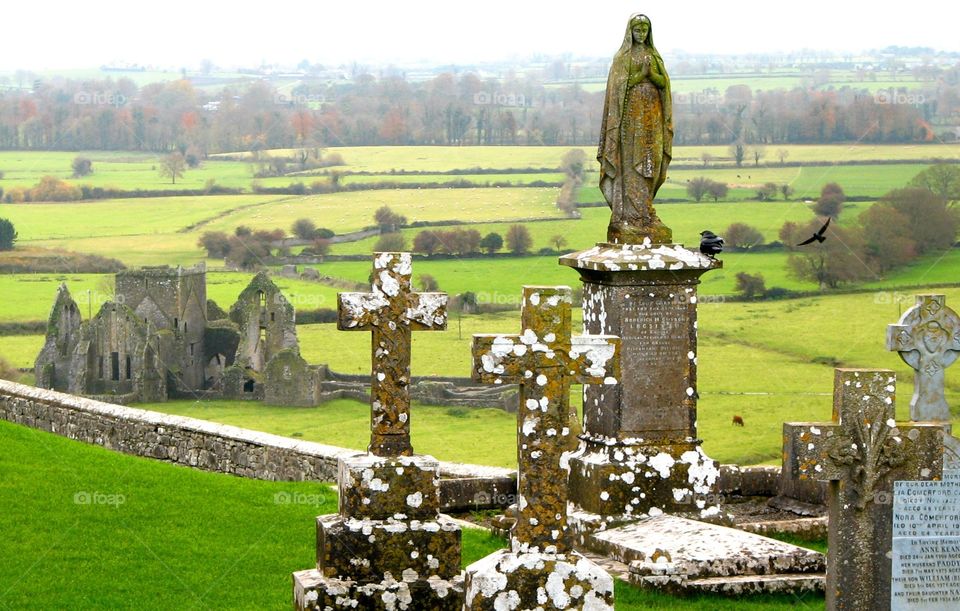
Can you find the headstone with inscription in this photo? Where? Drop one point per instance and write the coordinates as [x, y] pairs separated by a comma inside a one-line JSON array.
[[640, 451], [925, 574], [926, 539], [927, 337], [862, 453], [540, 570], [388, 547]]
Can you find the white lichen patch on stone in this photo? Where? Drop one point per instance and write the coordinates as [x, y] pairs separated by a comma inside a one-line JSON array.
[[357, 305], [429, 309], [662, 463], [415, 499], [529, 426], [597, 350]]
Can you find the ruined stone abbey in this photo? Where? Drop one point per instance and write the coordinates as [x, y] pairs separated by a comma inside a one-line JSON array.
[[159, 337]]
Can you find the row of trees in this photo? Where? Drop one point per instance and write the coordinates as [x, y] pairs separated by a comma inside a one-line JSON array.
[[517, 240], [448, 109], [701, 186]]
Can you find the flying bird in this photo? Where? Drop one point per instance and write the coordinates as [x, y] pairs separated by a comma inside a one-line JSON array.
[[710, 243], [818, 236]]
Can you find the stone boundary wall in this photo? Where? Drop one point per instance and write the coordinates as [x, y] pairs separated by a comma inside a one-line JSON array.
[[223, 448], [749, 481]]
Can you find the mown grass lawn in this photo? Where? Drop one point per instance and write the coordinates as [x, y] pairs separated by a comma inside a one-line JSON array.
[[84, 527]]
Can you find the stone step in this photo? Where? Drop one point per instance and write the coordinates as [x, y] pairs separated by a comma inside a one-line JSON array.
[[678, 546], [805, 528], [735, 585]]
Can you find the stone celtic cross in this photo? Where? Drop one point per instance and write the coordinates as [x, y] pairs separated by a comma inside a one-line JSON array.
[[391, 312], [544, 359], [861, 453], [927, 338]]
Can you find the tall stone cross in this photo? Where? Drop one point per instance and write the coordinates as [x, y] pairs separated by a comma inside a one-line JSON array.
[[391, 312], [861, 453], [544, 359], [927, 338]]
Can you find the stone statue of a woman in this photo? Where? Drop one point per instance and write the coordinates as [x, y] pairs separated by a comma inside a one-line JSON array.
[[636, 138]]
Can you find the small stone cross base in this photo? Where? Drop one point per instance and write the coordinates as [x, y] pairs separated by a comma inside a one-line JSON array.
[[388, 547], [506, 578]]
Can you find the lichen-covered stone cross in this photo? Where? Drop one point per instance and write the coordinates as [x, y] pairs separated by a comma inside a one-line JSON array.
[[861, 453], [391, 312], [544, 359], [927, 338]]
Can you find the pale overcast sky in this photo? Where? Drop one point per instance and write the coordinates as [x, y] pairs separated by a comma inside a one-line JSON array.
[[174, 33]]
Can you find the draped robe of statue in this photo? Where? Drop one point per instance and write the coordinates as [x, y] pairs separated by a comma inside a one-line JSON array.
[[636, 143]]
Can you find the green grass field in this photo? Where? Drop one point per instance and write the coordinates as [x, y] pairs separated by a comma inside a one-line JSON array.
[[350, 211], [143, 217], [90, 528], [716, 84], [30, 296], [757, 359], [440, 158], [123, 531], [500, 280]]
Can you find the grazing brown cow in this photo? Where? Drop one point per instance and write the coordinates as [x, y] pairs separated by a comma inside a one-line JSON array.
[[737, 421]]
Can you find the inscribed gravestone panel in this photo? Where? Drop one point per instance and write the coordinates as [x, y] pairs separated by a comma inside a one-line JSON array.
[[925, 573]]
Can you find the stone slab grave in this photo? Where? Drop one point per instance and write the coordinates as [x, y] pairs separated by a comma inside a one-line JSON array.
[[540, 569], [640, 451], [863, 453], [680, 555], [387, 547]]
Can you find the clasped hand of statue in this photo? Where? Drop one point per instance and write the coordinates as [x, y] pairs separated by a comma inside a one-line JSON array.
[[647, 71]]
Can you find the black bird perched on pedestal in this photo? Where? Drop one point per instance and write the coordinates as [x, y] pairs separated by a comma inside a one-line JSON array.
[[710, 243], [818, 236]]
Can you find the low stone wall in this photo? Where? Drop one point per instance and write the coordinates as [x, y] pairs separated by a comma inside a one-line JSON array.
[[219, 447], [749, 481]]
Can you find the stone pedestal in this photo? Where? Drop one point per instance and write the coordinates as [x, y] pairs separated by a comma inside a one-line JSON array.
[[388, 541], [640, 453]]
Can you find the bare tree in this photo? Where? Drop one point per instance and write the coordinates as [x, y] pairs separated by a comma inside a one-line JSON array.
[[173, 167]]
